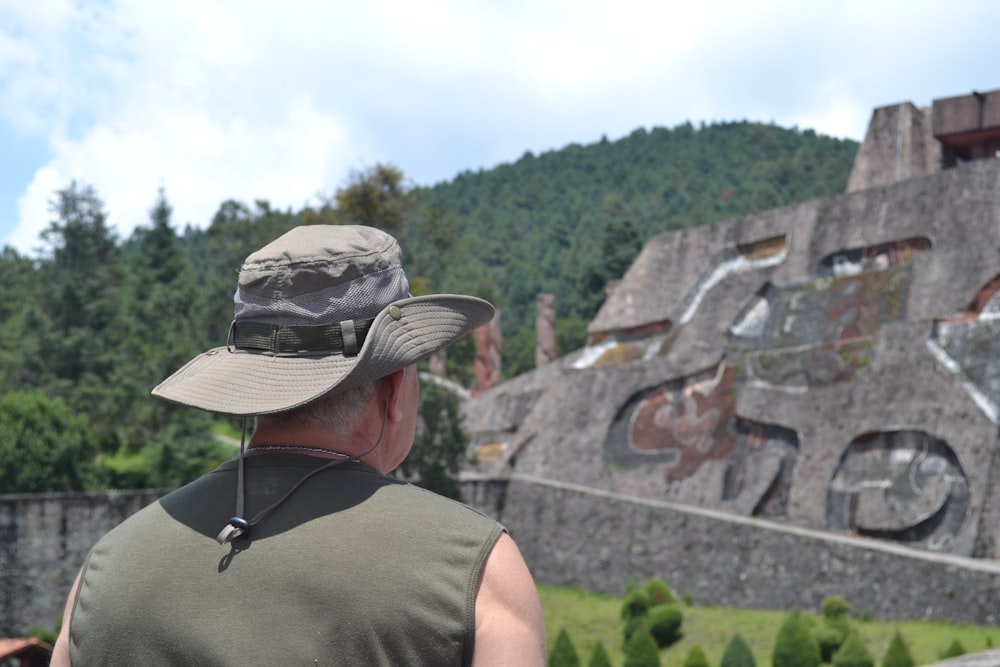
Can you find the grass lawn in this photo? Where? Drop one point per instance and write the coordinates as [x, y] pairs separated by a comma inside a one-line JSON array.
[[589, 618]]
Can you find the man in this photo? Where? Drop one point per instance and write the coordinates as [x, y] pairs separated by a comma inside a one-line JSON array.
[[326, 560]]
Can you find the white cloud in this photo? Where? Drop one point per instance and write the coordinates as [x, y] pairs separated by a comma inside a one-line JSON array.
[[200, 159], [218, 100]]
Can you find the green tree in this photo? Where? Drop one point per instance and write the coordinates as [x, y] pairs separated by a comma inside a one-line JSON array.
[[563, 653], [83, 278], [599, 656], [898, 653], [440, 443], [376, 197], [737, 653], [794, 645], [43, 445]]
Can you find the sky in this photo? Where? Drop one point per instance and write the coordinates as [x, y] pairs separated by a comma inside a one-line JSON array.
[[213, 100]]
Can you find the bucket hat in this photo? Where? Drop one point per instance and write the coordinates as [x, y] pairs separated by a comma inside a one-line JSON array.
[[322, 308]]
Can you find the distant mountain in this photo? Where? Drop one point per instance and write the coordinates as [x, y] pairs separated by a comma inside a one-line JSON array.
[[568, 221]]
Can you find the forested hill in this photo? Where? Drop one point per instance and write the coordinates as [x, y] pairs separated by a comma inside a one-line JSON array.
[[91, 325], [570, 220]]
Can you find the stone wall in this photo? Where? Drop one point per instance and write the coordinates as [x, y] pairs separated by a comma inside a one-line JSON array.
[[574, 536], [44, 539], [570, 536]]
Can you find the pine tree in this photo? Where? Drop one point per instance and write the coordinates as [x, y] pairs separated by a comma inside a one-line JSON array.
[[794, 645], [737, 653], [898, 653], [642, 651], [563, 652], [853, 653], [599, 657]]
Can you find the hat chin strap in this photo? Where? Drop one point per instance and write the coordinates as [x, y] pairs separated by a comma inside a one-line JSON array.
[[240, 527]]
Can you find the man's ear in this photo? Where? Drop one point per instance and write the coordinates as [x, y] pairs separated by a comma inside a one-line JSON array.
[[394, 387]]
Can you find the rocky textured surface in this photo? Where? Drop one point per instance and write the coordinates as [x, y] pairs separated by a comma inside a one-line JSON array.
[[44, 539], [832, 365]]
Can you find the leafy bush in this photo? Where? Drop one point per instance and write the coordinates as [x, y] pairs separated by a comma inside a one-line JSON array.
[[696, 658], [898, 653], [563, 653], [659, 592], [599, 657], [642, 651], [794, 645], [853, 654], [44, 446], [737, 653], [665, 624]]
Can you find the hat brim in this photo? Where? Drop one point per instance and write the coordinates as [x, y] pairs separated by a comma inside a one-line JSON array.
[[245, 383]]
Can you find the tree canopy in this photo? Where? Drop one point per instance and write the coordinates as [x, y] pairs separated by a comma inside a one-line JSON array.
[[95, 321]]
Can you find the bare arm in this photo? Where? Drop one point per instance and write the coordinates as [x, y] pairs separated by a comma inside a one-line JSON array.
[[60, 652], [509, 625]]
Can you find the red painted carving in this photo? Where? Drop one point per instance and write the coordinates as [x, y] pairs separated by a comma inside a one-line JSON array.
[[692, 421]]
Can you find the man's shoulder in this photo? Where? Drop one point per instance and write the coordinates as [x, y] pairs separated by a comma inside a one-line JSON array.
[[435, 502]]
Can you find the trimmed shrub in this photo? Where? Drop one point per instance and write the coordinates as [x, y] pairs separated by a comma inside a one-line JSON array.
[[659, 592], [634, 626], [835, 607], [954, 650], [635, 604], [696, 658], [665, 624], [599, 657], [737, 653], [794, 645], [829, 638], [642, 651], [853, 653], [563, 653], [898, 653]]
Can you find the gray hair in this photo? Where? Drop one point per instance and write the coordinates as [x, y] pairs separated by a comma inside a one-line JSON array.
[[337, 412]]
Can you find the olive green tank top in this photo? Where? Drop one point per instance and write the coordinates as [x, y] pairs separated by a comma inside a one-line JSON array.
[[354, 568]]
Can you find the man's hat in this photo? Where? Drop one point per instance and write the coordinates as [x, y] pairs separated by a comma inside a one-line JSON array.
[[321, 308]]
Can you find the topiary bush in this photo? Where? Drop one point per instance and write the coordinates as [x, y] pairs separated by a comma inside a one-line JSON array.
[[642, 651], [635, 604], [737, 653], [659, 592], [665, 624], [563, 653], [853, 653], [794, 645], [696, 658], [835, 607], [599, 657], [898, 653], [829, 639], [836, 626]]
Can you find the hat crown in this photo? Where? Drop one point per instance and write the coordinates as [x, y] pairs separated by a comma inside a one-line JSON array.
[[321, 274]]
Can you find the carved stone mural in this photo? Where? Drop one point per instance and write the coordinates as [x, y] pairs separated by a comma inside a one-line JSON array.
[[833, 365], [690, 425], [904, 486]]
